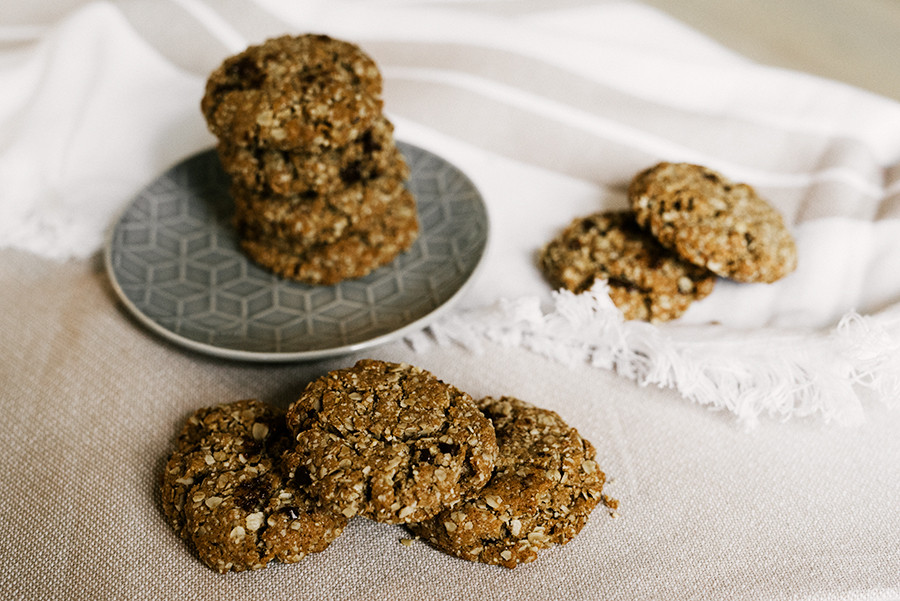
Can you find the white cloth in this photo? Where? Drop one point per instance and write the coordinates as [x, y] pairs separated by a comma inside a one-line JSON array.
[[550, 111]]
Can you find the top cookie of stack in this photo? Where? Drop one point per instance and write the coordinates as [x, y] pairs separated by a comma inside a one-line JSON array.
[[317, 178]]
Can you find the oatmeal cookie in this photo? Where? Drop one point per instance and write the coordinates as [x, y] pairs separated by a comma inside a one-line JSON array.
[[713, 222], [646, 280], [304, 92], [223, 491], [544, 487], [356, 253], [270, 171], [321, 218], [389, 441]]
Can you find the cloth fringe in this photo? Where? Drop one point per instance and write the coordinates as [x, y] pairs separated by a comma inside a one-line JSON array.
[[769, 372]]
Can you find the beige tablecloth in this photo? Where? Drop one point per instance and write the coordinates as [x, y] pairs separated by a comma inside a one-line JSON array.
[[792, 507]]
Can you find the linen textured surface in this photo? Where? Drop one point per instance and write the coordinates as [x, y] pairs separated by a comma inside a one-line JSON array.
[[550, 108]]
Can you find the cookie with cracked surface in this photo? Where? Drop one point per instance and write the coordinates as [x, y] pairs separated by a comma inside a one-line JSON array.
[[321, 218], [356, 253], [713, 222], [223, 491], [544, 487], [646, 281], [269, 171], [294, 92], [389, 441]]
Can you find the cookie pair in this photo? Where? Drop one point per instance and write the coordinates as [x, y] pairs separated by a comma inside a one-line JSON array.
[[317, 178], [492, 481], [688, 225]]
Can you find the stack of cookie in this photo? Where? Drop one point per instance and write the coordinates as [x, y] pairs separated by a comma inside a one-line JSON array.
[[493, 481], [317, 179], [688, 225]]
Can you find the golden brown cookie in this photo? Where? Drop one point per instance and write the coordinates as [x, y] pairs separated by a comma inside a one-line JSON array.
[[389, 441], [354, 254], [322, 218], [223, 491], [269, 171], [304, 92], [713, 222], [544, 487], [646, 281]]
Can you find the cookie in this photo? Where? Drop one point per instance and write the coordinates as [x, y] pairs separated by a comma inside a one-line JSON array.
[[713, 222], [646, 281], [389, 441], [544, 487], [223, 491], [356, 253], [271, 171], [305, 92], [321, 218]]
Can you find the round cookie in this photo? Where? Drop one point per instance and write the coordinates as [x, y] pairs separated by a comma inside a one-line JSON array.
[[713, 222], [389, 441], [646, 281], [224, 493], [545, 485], [270, 171], [321, 218], [356, 253], [304, 92]]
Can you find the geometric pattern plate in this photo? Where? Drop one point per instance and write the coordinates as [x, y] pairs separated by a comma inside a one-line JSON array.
[[174, 261]]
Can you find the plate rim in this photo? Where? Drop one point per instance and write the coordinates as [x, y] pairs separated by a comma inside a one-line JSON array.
[[289, 356]]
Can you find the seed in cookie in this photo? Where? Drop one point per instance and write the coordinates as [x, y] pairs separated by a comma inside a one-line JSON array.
[[544, 487], [646, 281], [389, 441], [223, 491], [301, 92], [713, 222]]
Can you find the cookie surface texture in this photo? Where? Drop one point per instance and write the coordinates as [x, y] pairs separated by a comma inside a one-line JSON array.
[[223, 491], [389, 441], [304, 92], [646, 280], [543, 490], [713, 222]]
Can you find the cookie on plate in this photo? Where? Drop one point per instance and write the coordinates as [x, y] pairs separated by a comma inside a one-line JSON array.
[[713, 222], [320, 218], [646, 281], [544, 487], [223, 491], [353, 254], [389, 441], [269, 171], [294, 92]]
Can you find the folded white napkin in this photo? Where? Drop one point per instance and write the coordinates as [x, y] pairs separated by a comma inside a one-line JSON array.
[[550, 110]]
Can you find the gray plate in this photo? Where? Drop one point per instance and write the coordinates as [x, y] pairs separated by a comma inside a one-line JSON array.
[[174, 260]]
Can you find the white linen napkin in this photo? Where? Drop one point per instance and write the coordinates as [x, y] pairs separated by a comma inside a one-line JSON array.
[[550, 109]]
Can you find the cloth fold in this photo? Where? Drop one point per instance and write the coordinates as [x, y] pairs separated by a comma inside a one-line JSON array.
[[550, 110]]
